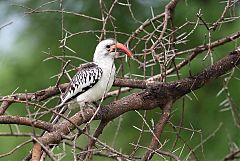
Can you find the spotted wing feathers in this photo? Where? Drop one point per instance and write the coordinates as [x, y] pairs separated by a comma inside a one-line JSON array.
[[86, 77]]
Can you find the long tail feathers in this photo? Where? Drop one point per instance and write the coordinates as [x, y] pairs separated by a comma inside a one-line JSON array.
[[61, 109]]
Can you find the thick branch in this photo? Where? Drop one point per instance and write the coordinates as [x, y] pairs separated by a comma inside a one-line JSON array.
[[156, 94], [26, 121]]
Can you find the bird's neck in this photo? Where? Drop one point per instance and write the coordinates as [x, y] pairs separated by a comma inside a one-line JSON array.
[[103, 62]]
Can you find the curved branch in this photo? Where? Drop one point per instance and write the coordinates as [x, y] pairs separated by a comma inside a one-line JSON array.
[[4, 106], [156, 94], [26, 121]]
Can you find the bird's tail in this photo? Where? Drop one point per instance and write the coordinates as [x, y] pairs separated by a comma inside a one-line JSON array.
[[60, 110]]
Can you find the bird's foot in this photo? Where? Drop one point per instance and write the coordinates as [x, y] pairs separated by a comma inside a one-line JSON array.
[[96, 104], [92, 105]]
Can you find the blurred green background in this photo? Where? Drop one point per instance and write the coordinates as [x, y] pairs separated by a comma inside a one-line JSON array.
[[26, 37]]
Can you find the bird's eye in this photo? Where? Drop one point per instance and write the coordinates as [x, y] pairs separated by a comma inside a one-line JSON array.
[[108, 46]]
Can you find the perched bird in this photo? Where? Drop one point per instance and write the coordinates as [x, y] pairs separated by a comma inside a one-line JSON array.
[[93, 79]]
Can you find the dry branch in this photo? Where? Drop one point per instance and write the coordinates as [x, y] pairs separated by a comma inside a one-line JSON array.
[[158, 130], [160, 48], [232, 156], [26, 121], [156, 94]]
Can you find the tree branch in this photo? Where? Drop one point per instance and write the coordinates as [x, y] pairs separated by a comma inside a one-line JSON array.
[[156, 94], [26, 121], [158, 130], [233, 155]]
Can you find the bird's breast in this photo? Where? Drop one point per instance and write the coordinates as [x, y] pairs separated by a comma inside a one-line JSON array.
[[100, 88]]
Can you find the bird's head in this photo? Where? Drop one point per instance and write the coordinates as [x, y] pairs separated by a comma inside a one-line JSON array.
[[109, 48]]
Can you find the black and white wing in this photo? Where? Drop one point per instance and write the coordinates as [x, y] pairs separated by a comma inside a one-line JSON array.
[[86, 77]]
